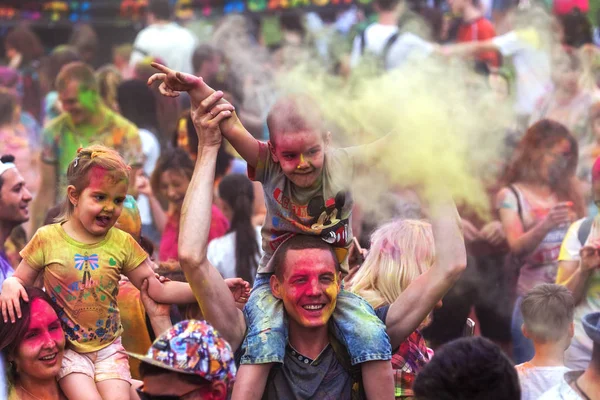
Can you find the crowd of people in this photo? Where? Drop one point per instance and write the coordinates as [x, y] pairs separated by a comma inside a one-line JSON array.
[[176, 225]]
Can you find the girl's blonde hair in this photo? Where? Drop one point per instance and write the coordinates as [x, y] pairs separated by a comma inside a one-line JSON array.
[[401, 250], [78, 172]]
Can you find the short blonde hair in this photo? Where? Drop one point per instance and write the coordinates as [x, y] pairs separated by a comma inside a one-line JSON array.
[[401, 250], [548, 312]]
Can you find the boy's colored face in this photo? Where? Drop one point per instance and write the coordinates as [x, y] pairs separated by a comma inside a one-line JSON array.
[[301, 156], [309, 287], [100, 204]]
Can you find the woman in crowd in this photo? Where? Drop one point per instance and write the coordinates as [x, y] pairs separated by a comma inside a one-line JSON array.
[[33, 348], [170, 180], [24, 52], [540, 198], [400, 252], [568, 102], [237, 253]]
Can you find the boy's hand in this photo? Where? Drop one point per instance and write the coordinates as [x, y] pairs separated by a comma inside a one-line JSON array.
[[174, 82], [12, 292], [240, 289], [207, 117]]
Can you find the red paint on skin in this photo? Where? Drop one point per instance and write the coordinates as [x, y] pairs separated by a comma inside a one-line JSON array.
[[101, 202], [41, 351], [301, 156], [310, 279]]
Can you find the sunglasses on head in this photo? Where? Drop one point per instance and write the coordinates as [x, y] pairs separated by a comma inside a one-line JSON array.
[[149, 396]]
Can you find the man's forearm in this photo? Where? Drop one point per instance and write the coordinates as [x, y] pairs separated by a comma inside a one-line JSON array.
[[211, 291], [197, 207]]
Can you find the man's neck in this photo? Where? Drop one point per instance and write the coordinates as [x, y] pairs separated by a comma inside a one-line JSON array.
[[96, 120], [471, 13], [589, 382], [548, 355], [309, 342], [389, 17]]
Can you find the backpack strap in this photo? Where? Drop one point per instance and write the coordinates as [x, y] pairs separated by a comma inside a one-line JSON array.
[[363, 41], [386, 49], [343, 357], [584, 230], [519, 206]]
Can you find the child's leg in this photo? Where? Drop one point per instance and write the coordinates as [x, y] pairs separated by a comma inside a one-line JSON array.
[[76, 377], [113, 376], [265, 342], [378, 379], [79, 386], [368, 346], [250, 381], [114, 389]]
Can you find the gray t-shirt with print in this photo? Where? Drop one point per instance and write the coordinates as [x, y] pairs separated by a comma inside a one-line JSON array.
[[302, 378]]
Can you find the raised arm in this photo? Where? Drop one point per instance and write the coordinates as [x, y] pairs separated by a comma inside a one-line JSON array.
[[418, 300], [468, 49], [232, 128], [212, 293]]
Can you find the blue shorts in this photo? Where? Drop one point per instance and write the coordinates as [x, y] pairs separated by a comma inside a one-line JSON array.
[[355, 325]]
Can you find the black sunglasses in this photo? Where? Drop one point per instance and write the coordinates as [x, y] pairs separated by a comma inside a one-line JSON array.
[[148, 396]]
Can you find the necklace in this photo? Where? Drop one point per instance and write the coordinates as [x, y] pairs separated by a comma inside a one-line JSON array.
[[581, 391], [29, 393]]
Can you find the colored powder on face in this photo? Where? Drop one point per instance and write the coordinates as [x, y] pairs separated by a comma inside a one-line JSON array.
[[88, 98]]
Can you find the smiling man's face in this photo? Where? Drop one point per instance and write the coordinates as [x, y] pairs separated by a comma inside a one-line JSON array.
[[14, 198], [309, 286]]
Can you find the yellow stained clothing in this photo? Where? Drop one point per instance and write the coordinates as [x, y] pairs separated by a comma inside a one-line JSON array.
[[83, 279]]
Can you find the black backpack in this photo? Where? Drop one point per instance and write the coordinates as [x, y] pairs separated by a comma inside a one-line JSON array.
[[382, 58]]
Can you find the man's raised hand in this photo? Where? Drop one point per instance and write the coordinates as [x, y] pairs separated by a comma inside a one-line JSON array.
[[207, 117]]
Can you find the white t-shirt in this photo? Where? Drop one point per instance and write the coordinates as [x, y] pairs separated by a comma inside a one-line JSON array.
[[151, 150], [376, 36], [407, 47], [563, 391], [579, 353], [221, 253], [173, 44], [532, 67], [537, 380]]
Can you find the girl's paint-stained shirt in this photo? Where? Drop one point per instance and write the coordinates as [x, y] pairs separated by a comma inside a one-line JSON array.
[[83, 279]]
